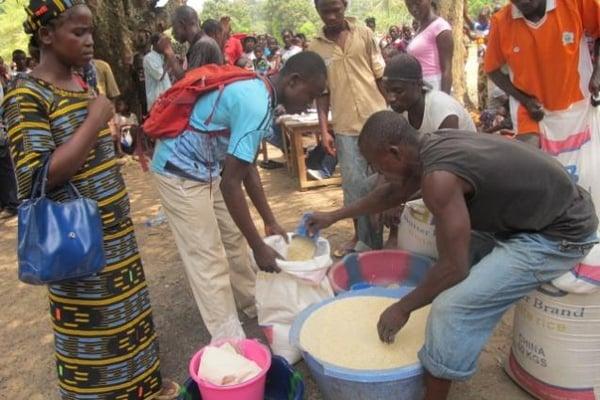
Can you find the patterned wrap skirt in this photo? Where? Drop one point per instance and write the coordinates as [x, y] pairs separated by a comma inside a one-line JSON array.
[[106, 346]]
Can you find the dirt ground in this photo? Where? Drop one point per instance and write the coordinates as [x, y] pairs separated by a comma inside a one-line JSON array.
[[27, 369]]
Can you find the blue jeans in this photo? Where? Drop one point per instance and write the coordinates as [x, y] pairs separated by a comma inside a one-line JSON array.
[[505, 270], [356, 185], [319, 159], [274, 136]]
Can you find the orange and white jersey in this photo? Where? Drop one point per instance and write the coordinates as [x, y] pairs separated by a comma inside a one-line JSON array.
[[549, 59]]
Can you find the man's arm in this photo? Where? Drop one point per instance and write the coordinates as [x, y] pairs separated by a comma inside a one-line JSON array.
[[255, 191], [530, 103], [165, 47], [379, 200], [443, 194], [495, 59], [236, 172], [502, 80], [323, 112], [376, 60]]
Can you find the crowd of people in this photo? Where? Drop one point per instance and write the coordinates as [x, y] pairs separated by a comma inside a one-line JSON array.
[[387, 119]]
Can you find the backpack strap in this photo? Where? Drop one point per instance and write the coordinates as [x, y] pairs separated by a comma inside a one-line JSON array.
[[210, 134], [270, 88], [212, 113], [222, 89]]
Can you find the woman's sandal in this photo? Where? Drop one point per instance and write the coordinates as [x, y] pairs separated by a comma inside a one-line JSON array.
[[170, 390]]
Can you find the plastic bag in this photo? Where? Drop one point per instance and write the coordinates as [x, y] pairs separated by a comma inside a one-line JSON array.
[[279, 299], [416, 232], [312, 270], [573, 138]]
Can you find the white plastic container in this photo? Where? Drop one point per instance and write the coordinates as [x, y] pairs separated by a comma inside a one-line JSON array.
[[556, 346]]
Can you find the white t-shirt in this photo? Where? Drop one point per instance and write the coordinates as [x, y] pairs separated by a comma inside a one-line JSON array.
[[157, 81], [250, 56], [438, 107], [286, 54]]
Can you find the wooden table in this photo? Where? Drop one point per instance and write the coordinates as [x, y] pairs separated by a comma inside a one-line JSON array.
[[294, 133]]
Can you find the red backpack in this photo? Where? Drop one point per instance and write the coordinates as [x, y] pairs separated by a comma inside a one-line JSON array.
[[171, 112]]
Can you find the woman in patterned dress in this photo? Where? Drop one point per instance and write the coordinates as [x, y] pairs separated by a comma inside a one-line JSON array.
[[106, 346]]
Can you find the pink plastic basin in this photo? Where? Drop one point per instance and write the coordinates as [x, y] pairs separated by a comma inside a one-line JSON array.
[[378, 268], [254, 389]]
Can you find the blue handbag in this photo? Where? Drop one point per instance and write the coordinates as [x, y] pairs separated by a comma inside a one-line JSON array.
[[58, 241]]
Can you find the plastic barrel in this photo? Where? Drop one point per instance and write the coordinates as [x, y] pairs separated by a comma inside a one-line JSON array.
[[338, 383], [378, 268]]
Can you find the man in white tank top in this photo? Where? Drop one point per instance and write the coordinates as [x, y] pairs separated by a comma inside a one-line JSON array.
[[427, 110]]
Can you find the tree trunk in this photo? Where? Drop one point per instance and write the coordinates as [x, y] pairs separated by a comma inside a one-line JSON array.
[[453, 12], [121, 37]]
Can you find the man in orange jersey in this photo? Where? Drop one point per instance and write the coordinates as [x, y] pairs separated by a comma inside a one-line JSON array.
[[543, 43]]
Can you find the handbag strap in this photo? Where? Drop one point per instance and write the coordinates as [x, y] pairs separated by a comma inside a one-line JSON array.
[[42, 180]]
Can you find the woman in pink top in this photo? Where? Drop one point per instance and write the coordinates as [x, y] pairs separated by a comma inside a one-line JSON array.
[[433, 45]]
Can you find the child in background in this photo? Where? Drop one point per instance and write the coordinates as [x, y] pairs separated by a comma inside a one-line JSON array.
[[261, 64], [261, 41], [497, 120], [274, 57], [124, 128], [249, 46]]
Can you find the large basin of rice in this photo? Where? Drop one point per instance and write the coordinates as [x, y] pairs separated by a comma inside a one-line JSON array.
[[344, 333]]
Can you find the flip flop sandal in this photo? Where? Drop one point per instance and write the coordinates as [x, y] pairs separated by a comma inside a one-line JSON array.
[[170, 390], [270, 164], [341, 253]]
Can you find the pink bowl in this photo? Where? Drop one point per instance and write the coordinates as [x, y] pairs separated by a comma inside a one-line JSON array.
[[254, 389], [379, 268]]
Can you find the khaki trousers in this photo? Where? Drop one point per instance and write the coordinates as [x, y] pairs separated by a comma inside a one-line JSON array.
[[214, 253]]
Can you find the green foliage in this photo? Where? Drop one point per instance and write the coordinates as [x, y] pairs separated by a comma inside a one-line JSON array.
[[475, 6], [297, 15], [386, 12], [251, 16], [238, 10], [12, 36]]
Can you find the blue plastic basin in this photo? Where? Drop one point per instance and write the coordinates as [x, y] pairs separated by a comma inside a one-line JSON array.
[[338, 383]]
